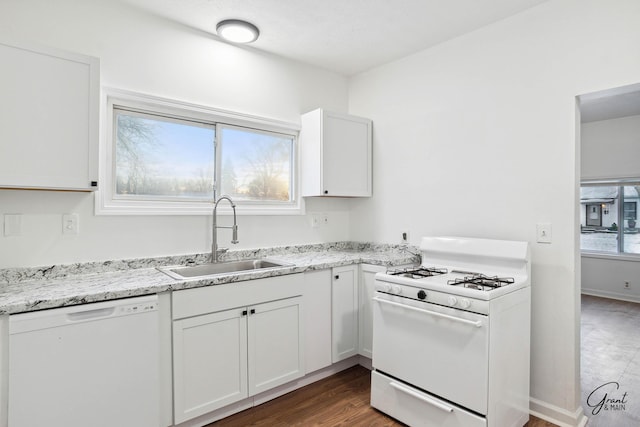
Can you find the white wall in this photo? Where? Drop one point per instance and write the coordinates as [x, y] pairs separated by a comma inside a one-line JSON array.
[[477, 136], [147, 54], [611, 149]]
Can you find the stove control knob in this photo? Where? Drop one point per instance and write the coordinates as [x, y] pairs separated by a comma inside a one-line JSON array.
[[465, 303], [422, 294], [452, 300], [397, 289], [387, 287]]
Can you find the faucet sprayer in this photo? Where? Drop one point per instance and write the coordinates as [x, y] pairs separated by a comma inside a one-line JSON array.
[[234, 228]]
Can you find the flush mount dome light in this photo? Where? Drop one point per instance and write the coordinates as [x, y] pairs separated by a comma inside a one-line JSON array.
[[237, 31]]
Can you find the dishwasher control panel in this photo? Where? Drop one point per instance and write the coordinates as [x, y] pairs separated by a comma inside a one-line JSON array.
[[138, 308]]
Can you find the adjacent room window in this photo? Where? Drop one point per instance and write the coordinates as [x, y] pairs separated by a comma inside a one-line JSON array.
[[174, 158], [608, 215]]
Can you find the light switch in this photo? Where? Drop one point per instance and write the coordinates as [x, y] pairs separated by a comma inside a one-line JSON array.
[[314, 220], [543, 232], [13, 224]]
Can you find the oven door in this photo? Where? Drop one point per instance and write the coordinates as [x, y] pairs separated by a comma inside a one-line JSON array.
[[441, 350]]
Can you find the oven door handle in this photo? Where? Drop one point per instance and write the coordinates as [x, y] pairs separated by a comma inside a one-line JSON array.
[[422, 397], [476, 323]]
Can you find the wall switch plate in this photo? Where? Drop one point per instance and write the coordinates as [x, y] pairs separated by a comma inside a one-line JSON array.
[[70, 224], [314, 220], [12, 224], [405, 238], [543, 232]]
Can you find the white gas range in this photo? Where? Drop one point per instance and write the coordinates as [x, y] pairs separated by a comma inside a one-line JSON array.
[[451, 338]]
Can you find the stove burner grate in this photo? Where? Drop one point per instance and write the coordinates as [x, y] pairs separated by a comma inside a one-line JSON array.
[[481, 282], [417, 273]]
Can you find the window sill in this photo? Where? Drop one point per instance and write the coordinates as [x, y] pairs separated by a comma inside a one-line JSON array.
[[132, 207], [611, 256]]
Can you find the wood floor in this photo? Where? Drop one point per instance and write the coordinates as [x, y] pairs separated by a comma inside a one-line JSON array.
[[340, 400], [610, 354]]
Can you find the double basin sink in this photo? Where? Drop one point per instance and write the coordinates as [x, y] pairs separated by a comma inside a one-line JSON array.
[[220, 268]]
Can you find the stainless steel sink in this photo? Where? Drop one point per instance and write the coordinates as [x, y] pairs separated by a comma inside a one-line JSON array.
[[219, 268]]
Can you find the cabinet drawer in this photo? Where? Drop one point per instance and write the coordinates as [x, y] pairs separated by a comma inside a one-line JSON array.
[[209, 299], [417, 408]]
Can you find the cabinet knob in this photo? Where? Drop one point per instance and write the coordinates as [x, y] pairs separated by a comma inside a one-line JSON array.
[[326, 192], [253, 311], [244, 312], [337, 276]]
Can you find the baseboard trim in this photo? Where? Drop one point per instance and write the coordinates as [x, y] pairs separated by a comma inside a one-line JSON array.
[[268, 395], [610, 295], [556, 415]]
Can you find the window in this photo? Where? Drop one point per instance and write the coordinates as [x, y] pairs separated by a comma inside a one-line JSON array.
[[608, 219], [630, 210], [255, 166], [164, 157]]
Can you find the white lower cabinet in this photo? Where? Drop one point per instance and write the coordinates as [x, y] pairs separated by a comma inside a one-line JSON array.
[[344, 312], [275, 344], [225, 356], [367, 290], [209, 362], [317, 313]]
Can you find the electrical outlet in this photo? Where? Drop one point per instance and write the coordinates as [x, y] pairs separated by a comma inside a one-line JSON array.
[[324, 219], [626, 284], [70, 224], [405, 238], [543, 232]]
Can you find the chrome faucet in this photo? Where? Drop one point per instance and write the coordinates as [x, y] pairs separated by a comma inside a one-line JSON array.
[[234, 228]]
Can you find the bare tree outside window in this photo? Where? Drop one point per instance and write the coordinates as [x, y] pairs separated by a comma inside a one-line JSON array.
[[170, 159], [161, 157], [259, 165]]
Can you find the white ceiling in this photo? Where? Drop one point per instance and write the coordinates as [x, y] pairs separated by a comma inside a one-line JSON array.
[[345, 36], [351, 36]]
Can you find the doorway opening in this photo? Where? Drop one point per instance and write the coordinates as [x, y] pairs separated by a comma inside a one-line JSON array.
[[610, 288]]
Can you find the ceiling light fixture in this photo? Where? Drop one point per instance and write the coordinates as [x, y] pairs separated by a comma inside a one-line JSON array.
[[237, 31]]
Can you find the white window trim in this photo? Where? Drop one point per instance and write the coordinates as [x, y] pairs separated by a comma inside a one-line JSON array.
[[106, 204]]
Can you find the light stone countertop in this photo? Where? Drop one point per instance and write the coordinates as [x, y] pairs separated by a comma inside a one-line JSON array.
[[30, 289]]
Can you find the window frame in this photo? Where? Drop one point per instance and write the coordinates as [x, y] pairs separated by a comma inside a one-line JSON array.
[[218, 174], [620, 214], [108, 203]]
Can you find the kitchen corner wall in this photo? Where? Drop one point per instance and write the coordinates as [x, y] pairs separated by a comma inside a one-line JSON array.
[[148, 54], [478, 137]]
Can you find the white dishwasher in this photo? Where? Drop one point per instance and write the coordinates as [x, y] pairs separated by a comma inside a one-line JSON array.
[[86, 365]]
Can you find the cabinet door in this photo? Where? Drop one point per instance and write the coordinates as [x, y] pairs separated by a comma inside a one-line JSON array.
[[346, 163], [335, 155], [317, 316], [49, 103], [276, 344], [209, 362], [367, 282], [344, 313]]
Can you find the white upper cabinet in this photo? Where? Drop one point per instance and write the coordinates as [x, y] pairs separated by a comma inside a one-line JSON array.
[[49, 103], [335, 152]]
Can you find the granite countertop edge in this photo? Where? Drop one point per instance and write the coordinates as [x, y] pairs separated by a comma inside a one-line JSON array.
[[39, 288]]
